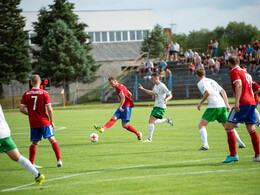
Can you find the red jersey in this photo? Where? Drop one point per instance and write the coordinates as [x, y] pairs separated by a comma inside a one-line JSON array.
[[128, 99], [255, 87], [247, 96], [36, 101]]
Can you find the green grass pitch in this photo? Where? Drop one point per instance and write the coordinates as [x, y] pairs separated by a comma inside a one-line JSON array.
[[120, 164]]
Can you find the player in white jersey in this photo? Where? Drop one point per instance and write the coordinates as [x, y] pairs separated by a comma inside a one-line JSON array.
[[8, 146], [160, 91], [217, 106]]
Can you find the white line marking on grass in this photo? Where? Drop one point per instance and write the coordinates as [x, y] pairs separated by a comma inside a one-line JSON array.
[[56, 129]]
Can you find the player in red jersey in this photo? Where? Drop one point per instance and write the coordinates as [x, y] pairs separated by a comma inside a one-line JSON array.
[[243, 111], [36, 101], [124, 110]]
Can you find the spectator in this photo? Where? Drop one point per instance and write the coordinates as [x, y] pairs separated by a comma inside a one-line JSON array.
[[217, 67], [150, 65], [227, 54], [191, 69], [196, 59], [181, 58], [210, 48], [240, 55], [171, 50], [163, 64], [191, 55], [249, 51], [256, 51], [203, 58], [142, 68], [244, 51], [148, 74], [215, 48], [211, 64], [168, 74], [200, 66], [167, 49], [186, 56], [176, 48], [162, 74]]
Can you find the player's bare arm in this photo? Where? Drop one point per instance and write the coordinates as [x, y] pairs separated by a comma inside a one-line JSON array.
[[238, 90], [130, 93], [204, 98], [122, 101], [168, 98], [224, 96], [23, 110], [50, 113], [146, 90], [257, 91]]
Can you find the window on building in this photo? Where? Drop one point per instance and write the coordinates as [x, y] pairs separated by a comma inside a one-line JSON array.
[[125, 36], [97, 37], [139, 35], [31, 35], [112, 36], [118, 36], [104, 36], [132, 35], [145, 33], [91, 34]]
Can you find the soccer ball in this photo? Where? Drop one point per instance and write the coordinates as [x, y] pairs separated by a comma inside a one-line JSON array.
[[93, 137]]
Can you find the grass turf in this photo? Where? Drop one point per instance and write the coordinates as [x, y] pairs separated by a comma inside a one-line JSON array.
[[119, 164]]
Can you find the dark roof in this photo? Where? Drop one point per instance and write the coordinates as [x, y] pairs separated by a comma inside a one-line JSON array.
[[116, 51]]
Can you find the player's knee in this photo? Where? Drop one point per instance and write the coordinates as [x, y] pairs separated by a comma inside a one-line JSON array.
[[125, 125], [114, 118]]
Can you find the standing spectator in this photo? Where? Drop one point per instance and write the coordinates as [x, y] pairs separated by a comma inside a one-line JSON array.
[[142, 67], [167, 50], [210, 48], [160, 91], [150, 65], [163, 64], [215, 49], [168, 74], [171, 50], [243, 111], [191, 69], [176, 48], [124, 110], [36, 100], [8, 146], [218, 106]]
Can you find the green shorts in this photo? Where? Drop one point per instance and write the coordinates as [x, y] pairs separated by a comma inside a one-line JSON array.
[[7, 144], [158, 112], [212, 114]]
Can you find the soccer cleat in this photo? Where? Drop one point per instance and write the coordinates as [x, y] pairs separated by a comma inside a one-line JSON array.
[[230, 159], [59, 163], [258, 124], [242, 145], [169, 120], [37, 166], [39, 179], [139, 137], [148, 140], [99, 129], [257, 159], [204, 148], [237, 125]]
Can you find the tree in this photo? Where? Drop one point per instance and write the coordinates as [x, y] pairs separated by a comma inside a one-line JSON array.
[[62, 57], [155, 42], [62, 10], [14, 56]]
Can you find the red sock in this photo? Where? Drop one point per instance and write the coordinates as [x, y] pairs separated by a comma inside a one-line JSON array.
[[56, 148], [32, 152], [231, 142], [109, 124], [255, 142], [132, 129]]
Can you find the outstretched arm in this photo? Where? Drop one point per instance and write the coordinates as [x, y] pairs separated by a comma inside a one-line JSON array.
[[146, 90]]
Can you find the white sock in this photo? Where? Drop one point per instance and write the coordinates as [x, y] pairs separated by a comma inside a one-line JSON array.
[[151, 129], [28, 165], [257, 115], [160, 121], [203, 136], [238, 138]]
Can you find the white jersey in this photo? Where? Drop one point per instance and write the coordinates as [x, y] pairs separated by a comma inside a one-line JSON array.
[[215, 100], [4, 128], [160, 94]]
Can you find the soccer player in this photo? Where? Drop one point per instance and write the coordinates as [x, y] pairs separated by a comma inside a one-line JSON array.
[[217, 106], [243, 111], [124, 110], [34, 103], [160, 91], [7, 145]]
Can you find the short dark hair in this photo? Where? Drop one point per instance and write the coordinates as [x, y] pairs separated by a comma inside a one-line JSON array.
[[234, 60], [200, 72], [155, 74], [111, 78]]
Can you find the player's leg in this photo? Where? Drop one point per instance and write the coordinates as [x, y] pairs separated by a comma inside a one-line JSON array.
[[203, 134], [36, 137], [150, 128], [110, 123], [257, 117], [56, 149], [32, 151], [168, 120], [239, 141]]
